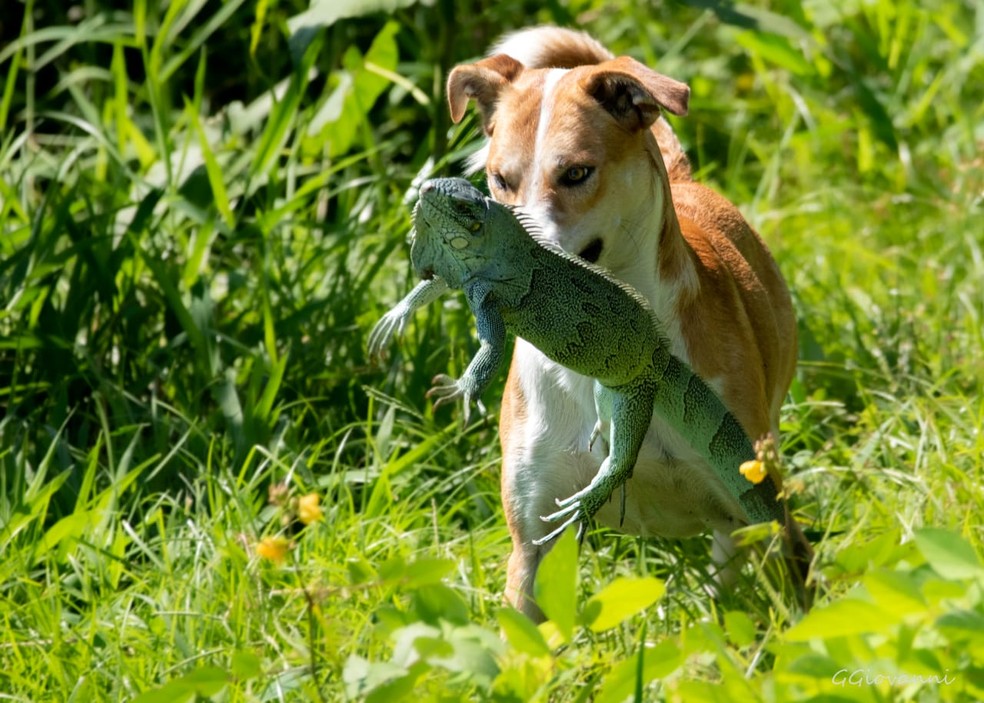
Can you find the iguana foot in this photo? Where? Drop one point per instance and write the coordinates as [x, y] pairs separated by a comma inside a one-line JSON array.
[[580, 508], [583, 505], [446, 389], [575, 517], [391, 324]]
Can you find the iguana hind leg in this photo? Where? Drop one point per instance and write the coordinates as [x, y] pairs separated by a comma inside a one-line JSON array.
[[631, 412]]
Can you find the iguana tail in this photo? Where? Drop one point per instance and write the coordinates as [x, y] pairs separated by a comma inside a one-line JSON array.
[[694, 410]]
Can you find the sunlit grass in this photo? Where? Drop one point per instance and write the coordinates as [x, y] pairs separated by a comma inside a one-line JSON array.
[[199, 222]]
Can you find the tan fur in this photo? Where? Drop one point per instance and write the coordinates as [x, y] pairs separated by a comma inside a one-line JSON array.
[[688, 250]]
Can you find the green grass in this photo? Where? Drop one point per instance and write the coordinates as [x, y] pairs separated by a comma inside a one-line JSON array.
[[201, 217]]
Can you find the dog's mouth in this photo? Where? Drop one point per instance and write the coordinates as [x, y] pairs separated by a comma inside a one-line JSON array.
[[592, 252]]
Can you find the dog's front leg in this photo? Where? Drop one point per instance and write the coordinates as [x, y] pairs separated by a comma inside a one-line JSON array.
[[530, 486]]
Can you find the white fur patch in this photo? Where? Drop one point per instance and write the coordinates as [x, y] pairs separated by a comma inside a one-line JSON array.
[[476, 162], [535, 46], [547, 101]]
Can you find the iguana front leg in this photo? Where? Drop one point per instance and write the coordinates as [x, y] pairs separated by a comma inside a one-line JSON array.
[[491, 351], [396, 319], [631, 412]]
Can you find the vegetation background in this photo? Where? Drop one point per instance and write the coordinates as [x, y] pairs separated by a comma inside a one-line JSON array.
[[207, 493]]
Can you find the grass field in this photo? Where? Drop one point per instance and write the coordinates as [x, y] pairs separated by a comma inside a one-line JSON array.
[[206, 493]]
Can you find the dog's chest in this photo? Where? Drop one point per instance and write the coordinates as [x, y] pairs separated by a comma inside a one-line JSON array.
[[672, 493]]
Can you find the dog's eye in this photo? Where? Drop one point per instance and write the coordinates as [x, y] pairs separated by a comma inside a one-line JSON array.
[[499, 181], [576, 175]]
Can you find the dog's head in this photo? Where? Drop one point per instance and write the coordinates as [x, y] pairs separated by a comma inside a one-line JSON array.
[[573, 147]]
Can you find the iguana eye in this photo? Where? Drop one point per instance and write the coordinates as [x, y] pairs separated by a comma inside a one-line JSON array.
[[474, 226], [576, 175]]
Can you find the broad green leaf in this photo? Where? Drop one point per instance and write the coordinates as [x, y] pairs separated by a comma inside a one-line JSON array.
[[658, 662], [435, 602], [246, 665], [204, 681], [472, 651], [961, 625], [948, 553], [324, 13], [620, 600], [168, 693], [809, 668], [842, 618], [758, 19], [71, 528], [342, 117], [894, 591], [360, 570], [405, 650], [361, 676], [521, 633], [427, 570], [555, 588], [739, 627], [777, 50]]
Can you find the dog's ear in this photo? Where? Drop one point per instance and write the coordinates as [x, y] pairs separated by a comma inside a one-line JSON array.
[[634, 93], [483, 81]]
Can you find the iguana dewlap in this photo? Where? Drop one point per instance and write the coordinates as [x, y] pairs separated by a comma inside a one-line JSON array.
[[578, 316]]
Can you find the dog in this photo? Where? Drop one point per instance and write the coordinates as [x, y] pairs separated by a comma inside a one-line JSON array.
[[576, 138]]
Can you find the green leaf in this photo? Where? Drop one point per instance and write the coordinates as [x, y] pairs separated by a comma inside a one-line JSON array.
[[894, 591], [71, 528], [620, 683], [435, 602], [841, 618], [961, 625], [246, 665], [324, 13], [620, 600], [426, 571], [555, 588], [212, 168], [740, 628], [472, 651], [361, 676], [521, 633], [777, 50], [168, 693], [204, 681], [343, 115], [948, 553]]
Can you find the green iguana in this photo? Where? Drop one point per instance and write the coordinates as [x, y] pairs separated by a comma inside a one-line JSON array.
[[580, 317]]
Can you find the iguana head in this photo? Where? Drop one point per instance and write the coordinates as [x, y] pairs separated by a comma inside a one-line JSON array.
[[450, 238]]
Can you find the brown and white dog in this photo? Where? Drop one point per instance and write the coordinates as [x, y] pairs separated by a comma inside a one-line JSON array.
[[576, 139]]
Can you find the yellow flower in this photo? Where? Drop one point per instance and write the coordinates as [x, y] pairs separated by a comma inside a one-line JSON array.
[[753, 470], [273, 548], [308, 510]]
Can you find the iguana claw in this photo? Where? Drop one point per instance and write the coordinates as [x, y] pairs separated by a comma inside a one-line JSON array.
[[446, 389], [574, 510], [583, 505], [391, 324], [576, 517], [595, 434]]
